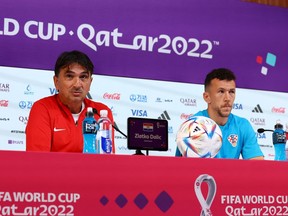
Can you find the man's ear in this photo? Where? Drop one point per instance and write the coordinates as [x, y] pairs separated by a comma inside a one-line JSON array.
[[206, 97], [55, 79]]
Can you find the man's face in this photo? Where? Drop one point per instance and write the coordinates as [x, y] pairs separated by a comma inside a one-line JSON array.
[[73, 84], [220, 96]]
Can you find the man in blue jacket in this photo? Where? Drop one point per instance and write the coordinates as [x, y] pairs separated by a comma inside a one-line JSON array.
[[239, 138]]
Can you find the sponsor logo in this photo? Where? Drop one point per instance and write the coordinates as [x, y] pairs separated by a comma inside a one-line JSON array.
[[28, 90], [138, 98], [237, 106], [17, 131], [257, 109], [119, 137], [188, 101], [113, 111], [269, 61], [185, 116], [261, 135], [122, 148], [114, 96], [4, 87], [168, 100], [278, 110], [53, 91], [257, 121], [23, 119], [15, 142], [158, 100], [139, 112], [3, 103], [25, 104], [164, 115]]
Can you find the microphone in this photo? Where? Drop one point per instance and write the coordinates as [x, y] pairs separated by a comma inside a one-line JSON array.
[[113, 125], [261, 130]]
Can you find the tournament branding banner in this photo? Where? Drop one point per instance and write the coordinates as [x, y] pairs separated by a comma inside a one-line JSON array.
[[168, 40]]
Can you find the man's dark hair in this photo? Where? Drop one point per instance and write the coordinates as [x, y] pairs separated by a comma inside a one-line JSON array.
[[221, 74], [68, 58]]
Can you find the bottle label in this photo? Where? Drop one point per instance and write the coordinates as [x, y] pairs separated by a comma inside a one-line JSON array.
[[106, 145], [279, 137], [90, 127]]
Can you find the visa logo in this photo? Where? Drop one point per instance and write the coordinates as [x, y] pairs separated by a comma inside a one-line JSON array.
[[261, 136], [139, 112], [237, 106], [53, 91]]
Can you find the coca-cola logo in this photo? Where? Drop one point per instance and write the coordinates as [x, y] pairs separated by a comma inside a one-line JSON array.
[[4, 103], [278, 110], [185, 116], [114, 96]]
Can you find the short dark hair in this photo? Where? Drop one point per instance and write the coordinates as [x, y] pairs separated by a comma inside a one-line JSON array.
[[67, 58], [219, 73]]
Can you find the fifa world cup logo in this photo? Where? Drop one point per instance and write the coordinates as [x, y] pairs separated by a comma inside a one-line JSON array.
[[205, 203]]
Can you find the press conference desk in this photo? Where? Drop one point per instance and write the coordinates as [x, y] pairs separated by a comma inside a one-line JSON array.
[[76, 184]]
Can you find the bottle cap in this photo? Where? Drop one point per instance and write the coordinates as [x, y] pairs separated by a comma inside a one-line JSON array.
[[89, 112], [103, 113]]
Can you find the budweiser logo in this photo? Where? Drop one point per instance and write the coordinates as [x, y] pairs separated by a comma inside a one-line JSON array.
[[4, 103], [278, 110], [115, 96]]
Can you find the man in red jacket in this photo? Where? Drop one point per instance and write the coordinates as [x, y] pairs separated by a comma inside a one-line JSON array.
[[55, 122]]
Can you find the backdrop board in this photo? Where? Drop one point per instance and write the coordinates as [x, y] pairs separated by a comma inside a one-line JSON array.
[[130, 97]]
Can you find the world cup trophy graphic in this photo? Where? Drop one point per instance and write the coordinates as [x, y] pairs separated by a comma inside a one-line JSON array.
[[205, 203]]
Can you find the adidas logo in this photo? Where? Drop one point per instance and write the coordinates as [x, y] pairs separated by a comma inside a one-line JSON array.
[[164, 116], [196, 129], [257, 109]]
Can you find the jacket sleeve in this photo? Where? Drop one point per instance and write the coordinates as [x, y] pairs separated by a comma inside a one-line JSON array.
[[38, 129]]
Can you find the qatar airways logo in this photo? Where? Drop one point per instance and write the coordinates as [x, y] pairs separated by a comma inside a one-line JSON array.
[[4, 87], [278, 110], [258, 121], [188, 101], [113, 96]]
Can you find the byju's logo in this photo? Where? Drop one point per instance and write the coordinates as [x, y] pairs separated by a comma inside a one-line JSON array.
[[270, 60]]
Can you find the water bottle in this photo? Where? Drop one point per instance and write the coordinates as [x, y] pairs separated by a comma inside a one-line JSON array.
[[279, 142], [104, 135], [89, 128]]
